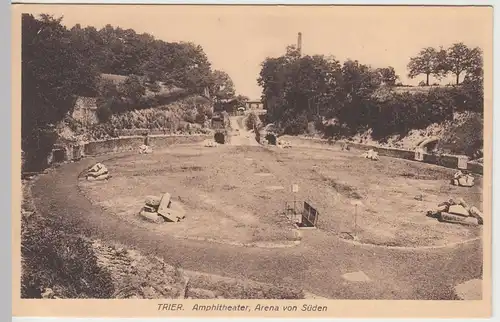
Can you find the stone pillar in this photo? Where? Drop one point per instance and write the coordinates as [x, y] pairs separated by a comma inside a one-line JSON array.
[[419, 154], [462, 162]]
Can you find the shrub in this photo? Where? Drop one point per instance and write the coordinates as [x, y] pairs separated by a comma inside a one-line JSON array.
[[466, 138], [66, 263], [252, 121], [200, 118], [189, 115], [37, 147], [104, 113], [154, 87], [295, 125], [401, 112], [132, 89]]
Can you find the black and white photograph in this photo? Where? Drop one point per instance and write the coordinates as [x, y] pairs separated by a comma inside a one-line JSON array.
[[254, 153]]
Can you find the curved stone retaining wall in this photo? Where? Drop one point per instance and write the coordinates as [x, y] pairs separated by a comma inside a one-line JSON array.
[[131, 143], [448, 161]]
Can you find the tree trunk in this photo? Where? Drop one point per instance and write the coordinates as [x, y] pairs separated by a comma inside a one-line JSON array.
[[458, 78], [427, 81]]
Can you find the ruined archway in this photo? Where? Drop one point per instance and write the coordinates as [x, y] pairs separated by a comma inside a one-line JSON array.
[[59, 155], [271, 139], [220, 138], [428, 144]]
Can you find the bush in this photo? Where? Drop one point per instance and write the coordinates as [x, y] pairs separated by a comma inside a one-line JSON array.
[[37, 148], [52, 259], [132, 89], [295, 125], [402, 112], [189, 115], [104, 113], [252, 121], [154, 87], [466, 139]]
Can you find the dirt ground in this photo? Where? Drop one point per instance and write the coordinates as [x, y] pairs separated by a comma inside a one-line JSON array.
[[235, 194]]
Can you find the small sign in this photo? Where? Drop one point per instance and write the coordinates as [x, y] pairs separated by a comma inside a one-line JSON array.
[[295, 188]]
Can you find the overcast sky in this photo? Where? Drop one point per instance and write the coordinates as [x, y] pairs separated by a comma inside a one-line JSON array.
[[238, 38]]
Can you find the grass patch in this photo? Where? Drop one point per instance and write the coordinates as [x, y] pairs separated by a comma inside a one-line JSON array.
[[418, 176], [342, 188], [191, 168], [64, 263]]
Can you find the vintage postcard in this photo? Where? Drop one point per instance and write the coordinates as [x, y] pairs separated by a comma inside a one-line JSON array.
[[252, 161]]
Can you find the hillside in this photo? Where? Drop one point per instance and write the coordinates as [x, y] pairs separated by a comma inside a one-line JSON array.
[[462, 135], [181, 113]]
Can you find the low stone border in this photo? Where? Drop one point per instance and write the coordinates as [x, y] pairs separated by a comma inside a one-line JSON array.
[[288, 244], [407, 248]]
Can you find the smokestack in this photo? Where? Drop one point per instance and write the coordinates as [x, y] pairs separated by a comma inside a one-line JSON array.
[[299, 44]]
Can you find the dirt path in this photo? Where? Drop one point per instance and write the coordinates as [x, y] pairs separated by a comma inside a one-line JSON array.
[[240, 135], [317, 265]]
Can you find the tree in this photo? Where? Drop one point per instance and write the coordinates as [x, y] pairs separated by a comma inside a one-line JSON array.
[[429, 61], [132, 89], [271, 80], [222, 86], [388, 75], [298, 89], [359, 83], [189, 67], [54, 72], [462, 59]]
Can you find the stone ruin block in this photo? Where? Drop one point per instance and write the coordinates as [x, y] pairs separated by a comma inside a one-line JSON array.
[[284, 144], [419, 154], [444, 216], [370, 154], [97, 172], [145, 149], [158, 209], [462, 179], [457, 212], [462, 161], [211, 144], [153, 201]]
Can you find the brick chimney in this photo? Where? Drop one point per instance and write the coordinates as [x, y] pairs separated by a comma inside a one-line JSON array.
[[299, 44]]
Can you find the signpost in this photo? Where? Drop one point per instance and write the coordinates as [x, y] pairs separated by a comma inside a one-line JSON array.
[[356, 204], [295, 189]]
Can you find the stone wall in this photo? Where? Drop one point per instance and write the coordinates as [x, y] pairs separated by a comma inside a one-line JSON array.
[[448, 161], [131, 143]]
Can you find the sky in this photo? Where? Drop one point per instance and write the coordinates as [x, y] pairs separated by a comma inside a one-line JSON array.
[[237, 39]]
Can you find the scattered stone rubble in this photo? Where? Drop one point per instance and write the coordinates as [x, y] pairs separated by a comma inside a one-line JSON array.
[[144, 149], [345, 147], [49, 293], [462, 179], [211, 144], [370, 154], [97, 172], [158, 209], [457, 212], [284, 144]]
